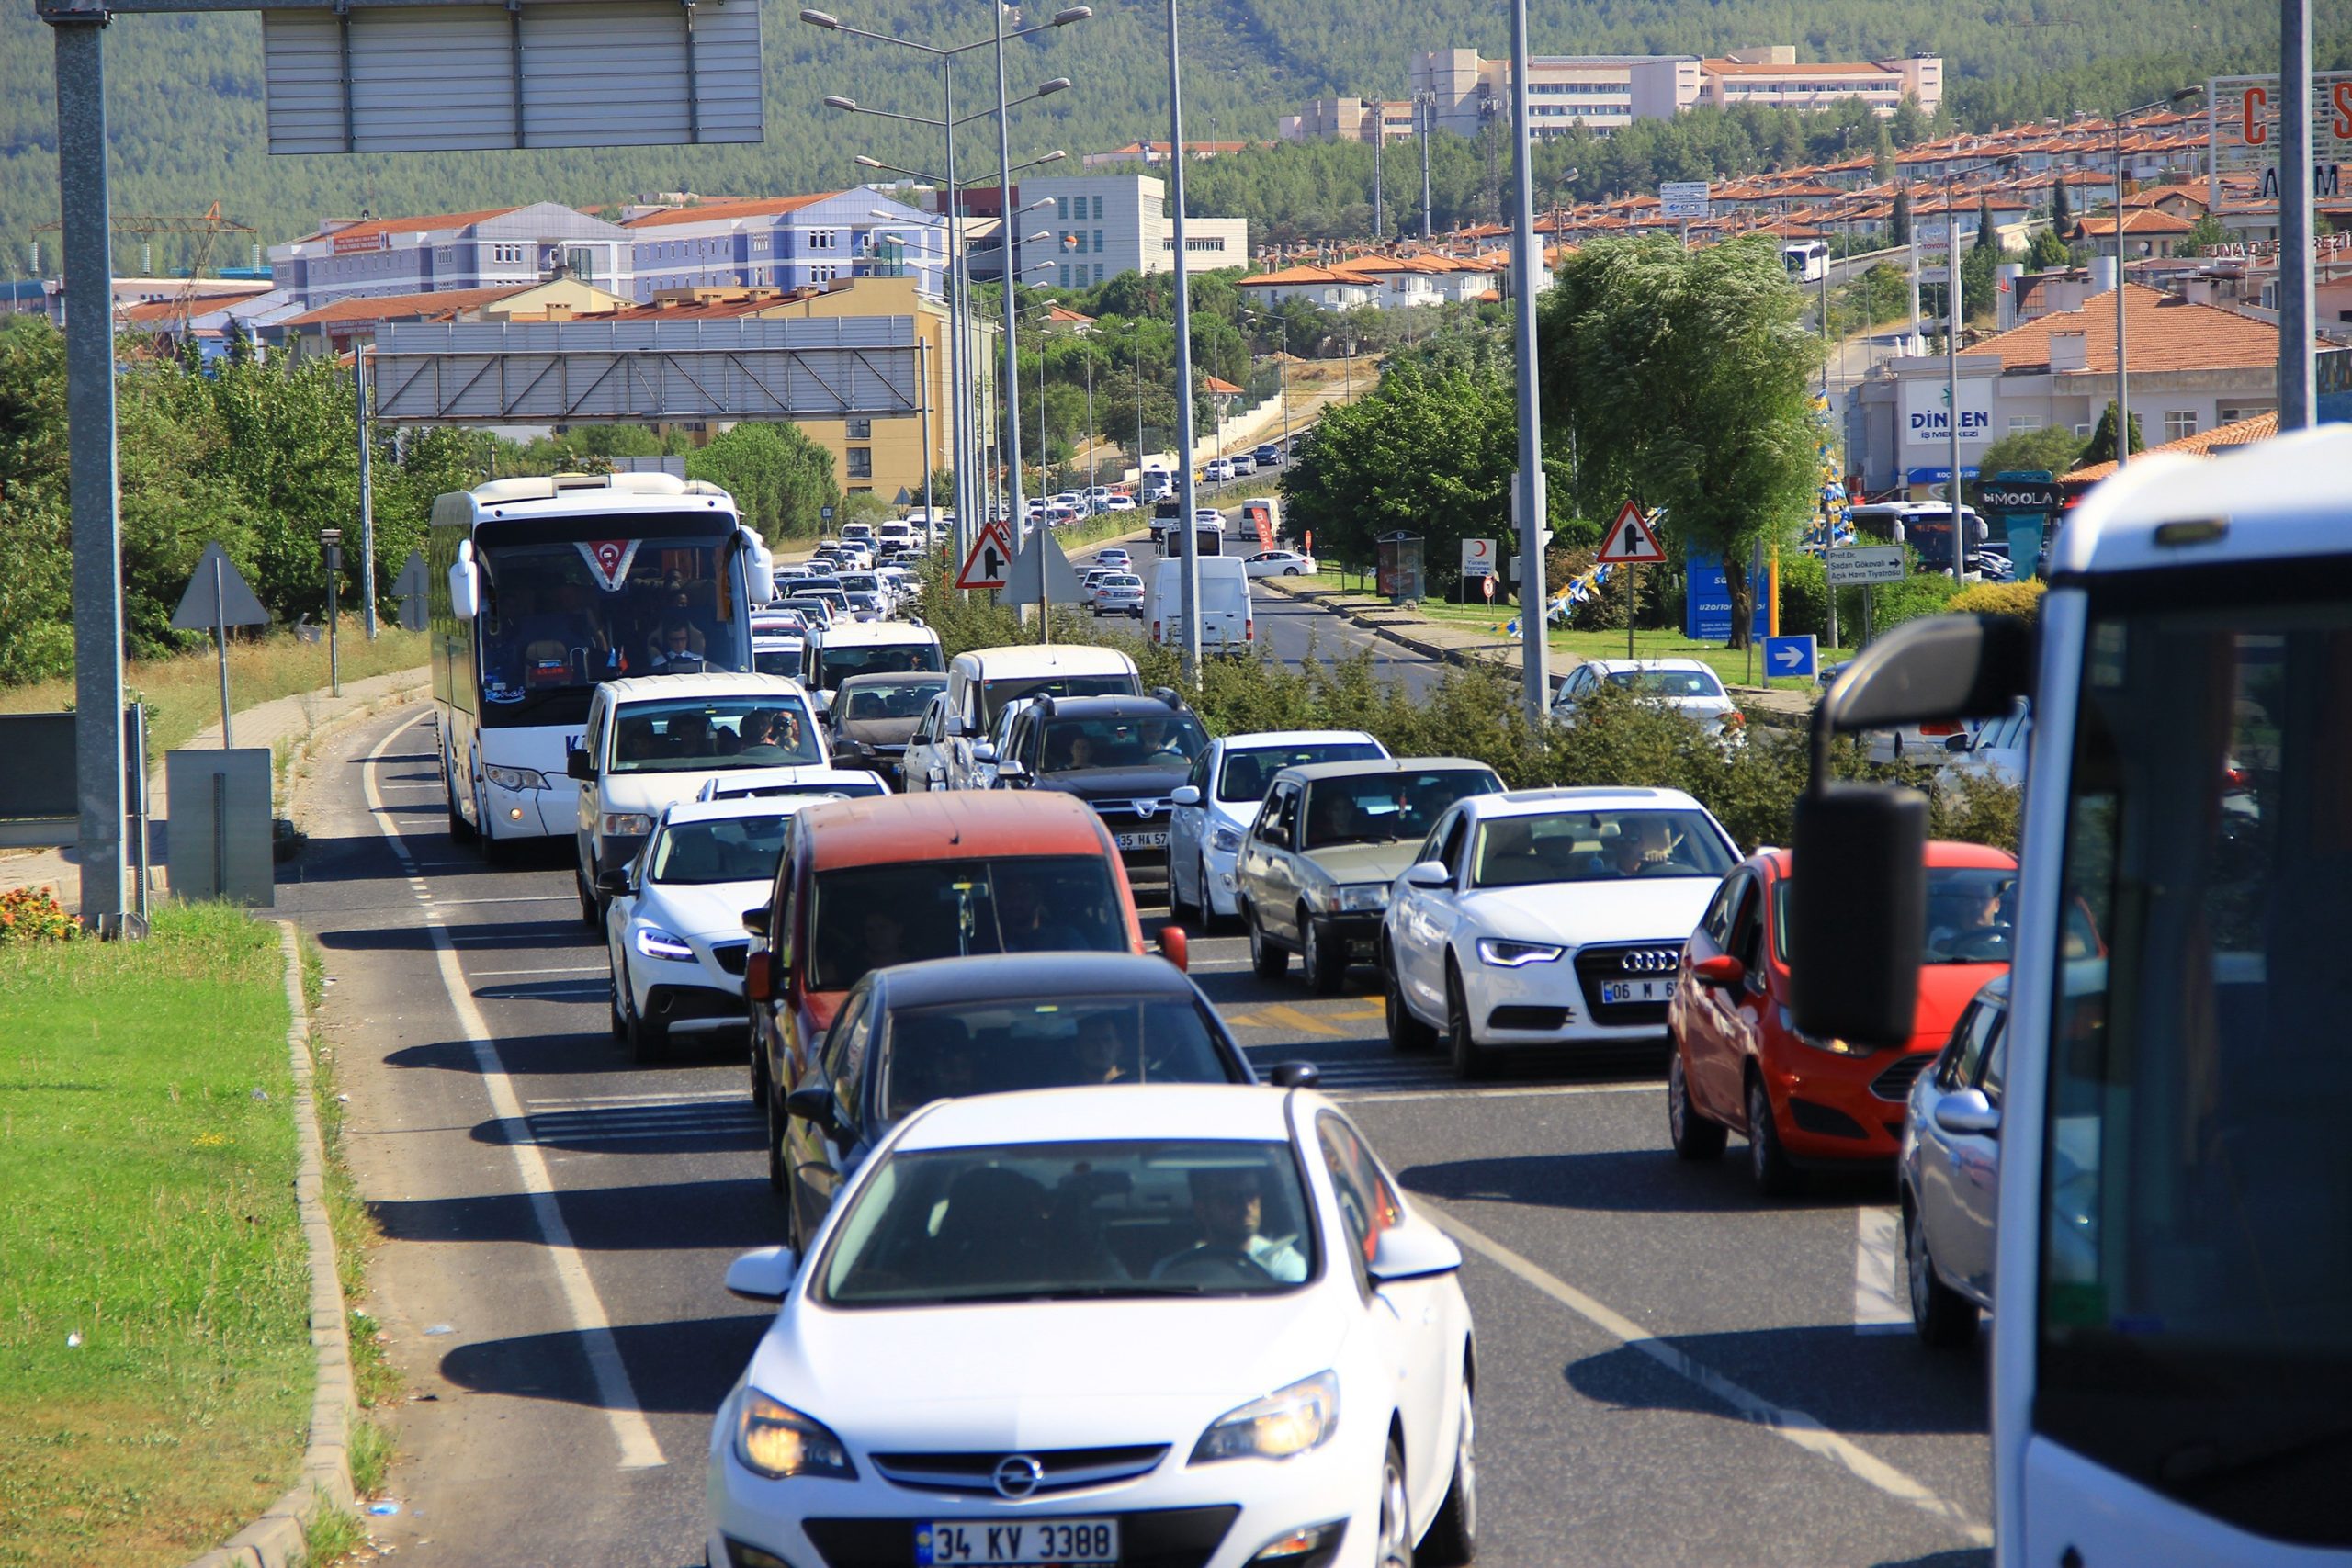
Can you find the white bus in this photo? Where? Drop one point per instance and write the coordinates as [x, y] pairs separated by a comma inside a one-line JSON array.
[[539, 589], [1807, 260]]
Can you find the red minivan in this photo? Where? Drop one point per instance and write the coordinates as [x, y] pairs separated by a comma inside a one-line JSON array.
[[895, 879], [1740, 1066]]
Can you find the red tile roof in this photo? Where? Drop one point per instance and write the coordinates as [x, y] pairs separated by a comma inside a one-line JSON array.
[[2261, 427], [2161, 331], [405, 306], [375, 226], [771, 206], [2145, 220]]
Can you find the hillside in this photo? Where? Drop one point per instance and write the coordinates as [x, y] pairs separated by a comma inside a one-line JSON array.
[[186, 107]]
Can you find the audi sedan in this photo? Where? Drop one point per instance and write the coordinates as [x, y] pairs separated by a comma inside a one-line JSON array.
[[1093, 1326]]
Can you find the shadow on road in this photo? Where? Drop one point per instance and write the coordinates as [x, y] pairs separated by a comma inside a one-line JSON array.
[[694, 1127], [1636, 1181], [586, 1051], [1853, 1383], [683, 1368], [732, 1216]]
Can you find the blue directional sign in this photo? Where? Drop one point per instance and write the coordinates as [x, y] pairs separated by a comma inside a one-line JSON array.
[[1790, 656]]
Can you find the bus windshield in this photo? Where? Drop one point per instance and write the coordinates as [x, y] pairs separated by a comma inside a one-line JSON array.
[[2195, 1329]]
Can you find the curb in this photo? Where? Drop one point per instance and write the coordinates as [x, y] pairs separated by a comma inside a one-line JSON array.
[[1448, 653], [300, 753], [276, 1539]]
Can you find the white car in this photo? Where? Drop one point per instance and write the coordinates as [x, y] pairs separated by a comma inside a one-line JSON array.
[[1279, 563], [674, 929], [1243, 463], [1116, 558], [1216, 471], [1684, 685], [1994, 751], [1119, 593], [1118, 503], [1216, 804], [1547, 916], [1090, 1327]]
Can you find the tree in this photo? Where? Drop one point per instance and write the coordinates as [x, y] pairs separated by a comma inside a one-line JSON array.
[[1910, 125], [2053, 449], [1899, 222], [2061, 210], [2207, 232], [2102, 443], [1683, 379], [779, 477], [2047, 250], [1987, 237]]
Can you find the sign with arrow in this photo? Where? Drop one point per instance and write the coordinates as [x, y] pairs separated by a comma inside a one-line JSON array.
[[991, 563], [1790, 656], [1631, 541], [411, 588]]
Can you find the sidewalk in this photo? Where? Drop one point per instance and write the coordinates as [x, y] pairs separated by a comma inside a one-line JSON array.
[[280, 725]]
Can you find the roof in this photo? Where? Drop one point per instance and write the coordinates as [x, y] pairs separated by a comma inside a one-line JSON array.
[[865, 633], [2261, 427], [172, 310], [1748, 68], [710, 684], [949, 825], [1194, 1113], [2143, 221], [1284, 739], [995, 977], [1315, 773], [2163, 333], [1068, 658], [723, 211], [1115, 706], [1533, 802], [1219, 389], [392, 307], [372, 227], [741, 806], [890, 678], [1620, 666]]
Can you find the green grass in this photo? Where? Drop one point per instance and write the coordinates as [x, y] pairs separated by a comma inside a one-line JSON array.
[[150, 1212], [1733, 667]]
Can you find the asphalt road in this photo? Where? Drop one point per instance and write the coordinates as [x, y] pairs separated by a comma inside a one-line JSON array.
[[1671, 1371]]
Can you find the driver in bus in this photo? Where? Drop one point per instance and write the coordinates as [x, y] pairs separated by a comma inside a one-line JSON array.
[[674, 649]]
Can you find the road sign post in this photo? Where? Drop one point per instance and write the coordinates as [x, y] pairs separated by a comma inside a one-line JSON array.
[[1478, 560], [1633, 544], [1040, 574], [1791, 657], [991, 563], [218, 597]]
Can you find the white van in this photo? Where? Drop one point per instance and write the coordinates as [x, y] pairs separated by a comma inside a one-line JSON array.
[[980, 683], [1229, 620], [867, 648]]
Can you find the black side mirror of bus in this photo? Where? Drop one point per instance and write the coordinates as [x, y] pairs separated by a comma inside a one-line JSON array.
[[579, 765]]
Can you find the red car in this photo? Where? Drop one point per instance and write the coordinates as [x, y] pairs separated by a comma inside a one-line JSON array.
[[1739, 1065]]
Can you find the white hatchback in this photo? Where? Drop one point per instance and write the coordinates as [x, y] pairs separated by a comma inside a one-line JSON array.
[[1092, 1327], [673, 928]]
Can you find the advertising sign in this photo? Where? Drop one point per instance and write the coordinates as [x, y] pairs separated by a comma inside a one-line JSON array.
[[1927, 420], [1400, 567], [2242, 120], [1682, 199], [1706, 604]]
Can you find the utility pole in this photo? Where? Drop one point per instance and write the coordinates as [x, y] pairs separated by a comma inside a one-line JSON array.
[[1379, 143], [367, 490], [1018, 523], [1523, 261], [1426, 102], [2298, 388], [1952, 364], [1912, 239], [1189, 576]]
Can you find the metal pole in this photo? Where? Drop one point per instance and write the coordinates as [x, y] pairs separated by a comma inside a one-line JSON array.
[[1092, 480], [1523, 254], [1045, 474], [2298, 387], [1427, 105], [1189, 599], [930, 458], [367, 490], [958, 322], [1952, 365], [1379, 146], [1011, 262], [220, 641], [1912, 239], [2122, 373], [90, 434], [335, 650]]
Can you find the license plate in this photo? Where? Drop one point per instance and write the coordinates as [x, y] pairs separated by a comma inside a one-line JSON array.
[[1636, 991], [1141, 840], [1032, 1543]]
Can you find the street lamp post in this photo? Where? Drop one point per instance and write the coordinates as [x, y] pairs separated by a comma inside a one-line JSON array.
[[1189, 599], [1523, 259], [2122, 375], [1379, 108], [1425, 103]]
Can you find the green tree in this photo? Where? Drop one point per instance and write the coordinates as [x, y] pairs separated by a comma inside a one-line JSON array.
[[2207, 232], [2053, 448], [2047, 250], [779, 477], [2101, 448], [1899, 221], [1683, 381], [2061, 210], [1909, 127]]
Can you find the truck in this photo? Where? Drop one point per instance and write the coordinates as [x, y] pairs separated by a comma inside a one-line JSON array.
[[2172, 1289]]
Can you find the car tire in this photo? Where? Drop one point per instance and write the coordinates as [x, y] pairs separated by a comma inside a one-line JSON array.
[[1270, 963], [1405, 1032], [1470, 1059], [620, 1024], [1767, 1163], [1392, 1544], [1694, 1137], [1325, 961], [1290, 571], [779, 1183], [1180, 910], [1941, 1317], [647, 1042], [1452, 1541], [460, 830], [590, 915]]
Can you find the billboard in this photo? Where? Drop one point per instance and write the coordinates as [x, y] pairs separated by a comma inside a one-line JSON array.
[[1926, 423], [2241, 119]]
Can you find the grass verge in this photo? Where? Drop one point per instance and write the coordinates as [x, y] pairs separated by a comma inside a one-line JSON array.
[[153, 1289], [1733, 667]]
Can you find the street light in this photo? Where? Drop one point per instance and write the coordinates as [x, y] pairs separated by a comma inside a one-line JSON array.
[[2122, 375]]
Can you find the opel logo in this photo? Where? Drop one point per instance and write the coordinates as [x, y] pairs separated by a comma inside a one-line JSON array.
[[1017, 1475], [1650, 961]]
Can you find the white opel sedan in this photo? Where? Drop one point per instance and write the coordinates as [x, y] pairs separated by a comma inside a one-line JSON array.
[[1547, 916], [1090, 1326]]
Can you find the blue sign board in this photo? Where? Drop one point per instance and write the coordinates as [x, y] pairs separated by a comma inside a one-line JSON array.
[[1706, 604], [1786, 656], [1939, 475]]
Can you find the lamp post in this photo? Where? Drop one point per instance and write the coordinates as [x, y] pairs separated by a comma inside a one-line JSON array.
[[1379, 108], [1523, 259], [2122, 374], [1189, 599], [1424, 110]]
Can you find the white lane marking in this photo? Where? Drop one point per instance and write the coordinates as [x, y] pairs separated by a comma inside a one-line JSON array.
[[1806, 1431], [559, 969], [705, 1097], [1879, 1306], [631, 1430], [1529, 1091]]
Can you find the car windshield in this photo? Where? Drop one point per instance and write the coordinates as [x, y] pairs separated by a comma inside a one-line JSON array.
[[1668, 682], [739, 849], [819, 613], [784, 661], [1012, 688], [1081, 745], [870, 917], [830, 666], [937, 1053], [701, 734], [1245, 774], [1383, 808], [1027, 1222], [1597, 846], [874, 700]]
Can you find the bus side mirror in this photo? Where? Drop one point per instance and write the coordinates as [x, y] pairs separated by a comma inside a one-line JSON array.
[[759, 569], [579, 764], [465, 587]]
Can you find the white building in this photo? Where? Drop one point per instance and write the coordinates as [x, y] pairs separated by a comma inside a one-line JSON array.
[[1604, 92], [500, 247], [1104, 224], [788, 241]]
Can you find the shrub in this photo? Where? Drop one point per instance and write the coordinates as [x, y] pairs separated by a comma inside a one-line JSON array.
[[1922, 593], [33, 914], [2020, 600]]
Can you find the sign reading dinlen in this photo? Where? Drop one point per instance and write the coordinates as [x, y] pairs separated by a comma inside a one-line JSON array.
[[395, 78]]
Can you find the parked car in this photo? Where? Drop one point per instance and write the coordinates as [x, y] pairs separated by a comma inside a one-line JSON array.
[[872, 717], [1122, 756], [1739, 1064], [951, 1027], [1118, 593], [1219, 799], [1546, 916], [1313, 873], [1181, 1323], [674, 933], [1279, 563], [1684, 685]]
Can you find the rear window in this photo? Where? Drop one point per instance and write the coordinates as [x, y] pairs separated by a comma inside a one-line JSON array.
[[740, 848], [1669, 683], [1383, 808], [870, 917], [1247, 773], [834, 665], [996, 1047], [995, 694]]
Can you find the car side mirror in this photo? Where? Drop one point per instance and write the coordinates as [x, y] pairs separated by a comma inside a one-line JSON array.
[[763, 1274], [1010, 772], [951, 726], [1958, 743], [614, 883], [755, 921], [1723, 970], [465, 585], [1967, 1112], [815, 1103], [1294, 1074], [579, 764], [983, 752], [1175, 946], [1412, 1251], [1429, 873], [1184, 795]]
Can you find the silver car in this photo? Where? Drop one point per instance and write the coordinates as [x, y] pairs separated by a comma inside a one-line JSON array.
[[1118, 595]]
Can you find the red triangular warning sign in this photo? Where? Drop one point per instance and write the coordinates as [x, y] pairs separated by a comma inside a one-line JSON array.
[[991, 563], [1631, 542]]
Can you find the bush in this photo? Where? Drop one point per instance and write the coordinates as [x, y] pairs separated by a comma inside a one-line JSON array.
[[1922, 593], [33, 914], [2020, 600]]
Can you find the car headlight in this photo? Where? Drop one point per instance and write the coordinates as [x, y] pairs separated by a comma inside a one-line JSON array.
[[1506, 955], [1832, 1043], [516, 778], [1287, 1422], [620, 824], [1226, 841], [1365, 896], [655, 943], [778, 1441]]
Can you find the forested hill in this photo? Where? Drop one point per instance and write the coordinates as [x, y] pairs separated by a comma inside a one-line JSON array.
[[186, 112]]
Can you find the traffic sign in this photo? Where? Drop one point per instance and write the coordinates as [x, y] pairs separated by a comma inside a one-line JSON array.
[[1486, 586], [1790, 656], [991, 563], [1859, 566], [217, 596], [1477, 558], [1631, 541], [1042, 556], [410, 588], [826, 513]]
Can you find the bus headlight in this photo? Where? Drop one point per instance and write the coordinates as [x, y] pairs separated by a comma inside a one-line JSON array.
[[516, 778]]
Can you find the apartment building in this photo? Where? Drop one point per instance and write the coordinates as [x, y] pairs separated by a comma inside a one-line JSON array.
[[1351, 119], [1602, 91], [789, 241], [1101, 225], [496, 248]]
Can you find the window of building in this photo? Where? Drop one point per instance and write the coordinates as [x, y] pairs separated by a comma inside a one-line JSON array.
[[1098, 272], [2023, 422], [1098, 239], [2180, 424], [1061, 207], [1064, 274], [860, 462], [860, 429], [1098, 206]]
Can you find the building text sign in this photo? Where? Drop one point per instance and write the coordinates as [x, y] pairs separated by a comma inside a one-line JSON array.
[[1926, 422], [2242, 115]]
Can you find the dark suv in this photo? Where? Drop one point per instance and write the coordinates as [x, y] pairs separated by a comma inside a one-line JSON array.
[[1124, 756]]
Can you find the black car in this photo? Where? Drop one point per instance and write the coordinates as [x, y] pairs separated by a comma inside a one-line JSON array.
[[1268, 455], [1124, 756], [916, 1032]]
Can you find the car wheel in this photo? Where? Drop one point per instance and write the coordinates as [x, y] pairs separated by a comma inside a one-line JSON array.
[[1470, 1059], [590, 915], [620, 1024], [460, 830], [1944, 1319], [1290, 571], [1394, 1546], [759, 1064], [1405, 1032], [1694, 1137], [777, 1182], [1271, 961], [647, 1042], [1453, 1538], [1324, 959], [1767, 1163]]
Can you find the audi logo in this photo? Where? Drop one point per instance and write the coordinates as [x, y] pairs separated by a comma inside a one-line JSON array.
[[1017, 1475], [1649, 961]]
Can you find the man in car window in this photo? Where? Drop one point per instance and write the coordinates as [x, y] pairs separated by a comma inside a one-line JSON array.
[[675, 650], [1103, 1053], [1640, 847], [1027, 921], [1229, 1206]]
